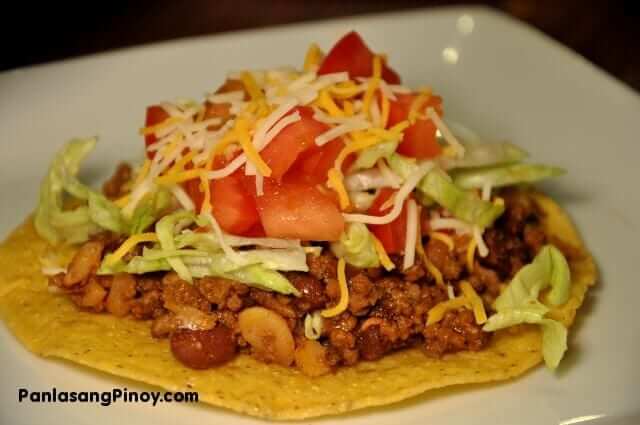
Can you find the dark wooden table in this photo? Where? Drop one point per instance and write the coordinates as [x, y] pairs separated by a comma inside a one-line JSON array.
[[605, 32]]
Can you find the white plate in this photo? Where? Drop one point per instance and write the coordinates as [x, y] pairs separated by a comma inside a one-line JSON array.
[[499, 77]]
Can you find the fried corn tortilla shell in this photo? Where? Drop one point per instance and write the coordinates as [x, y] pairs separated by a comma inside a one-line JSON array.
[[49, 324]]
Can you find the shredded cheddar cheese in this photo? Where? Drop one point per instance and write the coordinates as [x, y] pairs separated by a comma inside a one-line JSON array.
[[178, 177], [438, 311], [242, 130], [343, 303], [180, 164], [313, 58], [444, 238], [143, 172], [128, 245], [206, 201], [476, 302], [383, 257], [251, 86], [471, 250], [374, 82], [386, 108], [418, 103], [326, 102], [145, 131]]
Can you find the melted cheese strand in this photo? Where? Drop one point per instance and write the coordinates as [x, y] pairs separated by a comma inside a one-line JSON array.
[[343, 303], [404, 191]]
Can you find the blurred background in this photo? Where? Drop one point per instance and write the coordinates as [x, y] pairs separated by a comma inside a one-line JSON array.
[[605, 32]]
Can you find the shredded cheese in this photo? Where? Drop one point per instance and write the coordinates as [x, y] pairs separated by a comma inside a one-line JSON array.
[[176, 178], [402, 194], [345, 90], [152, 129], [386, 108], [483, 250], [313, 57], [206, 189], [336, 182], [450, 292], [251, 86], [438, 311], [411, 236], [476, 302], [128, 245], [346, 127], [182, 197], [444, 130], [471, 249], [444, 238], [373, 84], [435, 272], [242, 129], [326, 102], [418, 103], [383, 257], [343, 303]]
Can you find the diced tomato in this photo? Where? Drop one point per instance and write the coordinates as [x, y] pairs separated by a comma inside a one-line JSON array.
[[351, 54], [419, 139], [391, 235], [155, 115], [314, 164], [232, 206], [281, 153], [298, 211]]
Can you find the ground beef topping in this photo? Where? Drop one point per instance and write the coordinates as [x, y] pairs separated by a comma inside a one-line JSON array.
[[212, 319]]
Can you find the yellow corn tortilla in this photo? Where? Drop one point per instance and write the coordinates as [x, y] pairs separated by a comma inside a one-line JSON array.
[[48, 324]]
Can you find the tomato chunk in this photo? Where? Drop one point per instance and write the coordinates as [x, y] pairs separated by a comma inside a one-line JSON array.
[[352, 55], [231, 205], [298, 211], [314, 164], [281, 153], [419, 140], [391, 235], [155, 115]]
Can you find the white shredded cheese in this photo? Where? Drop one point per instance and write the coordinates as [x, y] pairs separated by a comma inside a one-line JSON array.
[[402, 194], [446, 133], [182, 197], [411, 235], [341, 130], [450, 224], [483, 250]]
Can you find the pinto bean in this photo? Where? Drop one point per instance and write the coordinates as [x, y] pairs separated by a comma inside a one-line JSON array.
[[84, 263], [203, 349], [268, 334], [123, 289]]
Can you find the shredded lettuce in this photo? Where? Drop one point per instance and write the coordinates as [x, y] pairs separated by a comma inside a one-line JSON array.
[[259, 274], [519, 302], [152, 207], [165, 230], [437, 186], [368, 157], [92, 212], [356, 246], [485, 154], [504, 175]]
